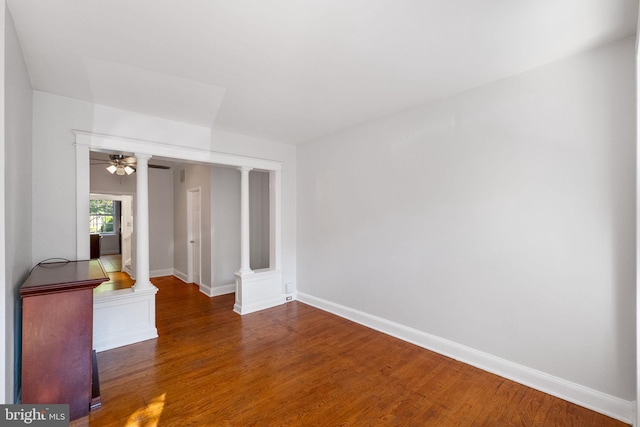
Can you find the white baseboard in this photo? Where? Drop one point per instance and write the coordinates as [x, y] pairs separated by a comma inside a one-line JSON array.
[[180, 275], [258, 306], [102, 343], [603, 403], [218, 290], [161, 273], [127, 269]]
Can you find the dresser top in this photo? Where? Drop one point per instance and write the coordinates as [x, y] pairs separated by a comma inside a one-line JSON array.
[[53, 277]]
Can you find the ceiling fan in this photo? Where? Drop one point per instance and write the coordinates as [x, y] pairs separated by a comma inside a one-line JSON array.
[[119, 164]]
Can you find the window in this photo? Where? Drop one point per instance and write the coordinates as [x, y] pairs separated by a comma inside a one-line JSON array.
[[101, 216]]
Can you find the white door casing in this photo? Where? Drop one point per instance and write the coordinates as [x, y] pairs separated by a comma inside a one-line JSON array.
[[194, 235]]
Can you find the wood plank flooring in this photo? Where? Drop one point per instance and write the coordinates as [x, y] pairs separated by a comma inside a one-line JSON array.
[[295, 365], [117, 279]]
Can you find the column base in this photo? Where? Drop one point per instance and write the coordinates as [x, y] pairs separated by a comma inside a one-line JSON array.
[[258, 290], [148, 286]]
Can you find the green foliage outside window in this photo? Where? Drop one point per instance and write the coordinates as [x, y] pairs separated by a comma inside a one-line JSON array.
[[100, 216]]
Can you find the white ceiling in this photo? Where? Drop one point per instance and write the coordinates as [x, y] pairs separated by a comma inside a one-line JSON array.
[[295, 70]]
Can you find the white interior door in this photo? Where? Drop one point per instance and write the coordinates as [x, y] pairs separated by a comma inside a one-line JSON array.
[[193, 202]]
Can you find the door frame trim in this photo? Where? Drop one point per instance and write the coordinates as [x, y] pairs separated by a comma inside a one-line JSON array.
[[190, 252]]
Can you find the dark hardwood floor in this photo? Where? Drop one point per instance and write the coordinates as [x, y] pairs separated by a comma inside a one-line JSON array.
[[295, 365]]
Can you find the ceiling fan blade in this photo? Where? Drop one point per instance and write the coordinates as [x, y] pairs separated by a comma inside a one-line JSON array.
[[119, 159], [122, 159]]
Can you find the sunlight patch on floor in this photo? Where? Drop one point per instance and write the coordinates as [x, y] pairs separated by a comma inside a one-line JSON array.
[[148, 416]]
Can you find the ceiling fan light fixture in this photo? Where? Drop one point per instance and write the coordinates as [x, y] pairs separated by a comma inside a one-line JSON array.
[[120, 165]]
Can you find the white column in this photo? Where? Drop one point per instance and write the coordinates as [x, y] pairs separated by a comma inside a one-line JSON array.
[[245, 253], [142, 222]]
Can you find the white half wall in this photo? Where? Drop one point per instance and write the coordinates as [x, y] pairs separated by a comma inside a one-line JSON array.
[[501, 219], [123, 317]]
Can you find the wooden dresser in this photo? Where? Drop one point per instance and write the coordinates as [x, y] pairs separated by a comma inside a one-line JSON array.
[[57, 333]]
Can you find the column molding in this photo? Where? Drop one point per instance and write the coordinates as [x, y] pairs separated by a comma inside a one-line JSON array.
[[142, 225], [254, 290], [245, 241]]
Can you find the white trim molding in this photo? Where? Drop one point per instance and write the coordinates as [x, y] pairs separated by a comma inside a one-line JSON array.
[[124, 317], [603, 403], [112, 143], [161, 273], [180, 275], [214, 291]]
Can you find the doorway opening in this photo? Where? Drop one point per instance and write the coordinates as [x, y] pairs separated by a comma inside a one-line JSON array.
[[111, 224]]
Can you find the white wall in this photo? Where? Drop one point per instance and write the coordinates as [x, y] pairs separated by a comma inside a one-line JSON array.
[[54, 167], [18, 97], [501, 219], [225, 225], [196, 177], [259, 219], [114, 121], [54, 176], [160, 221]]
